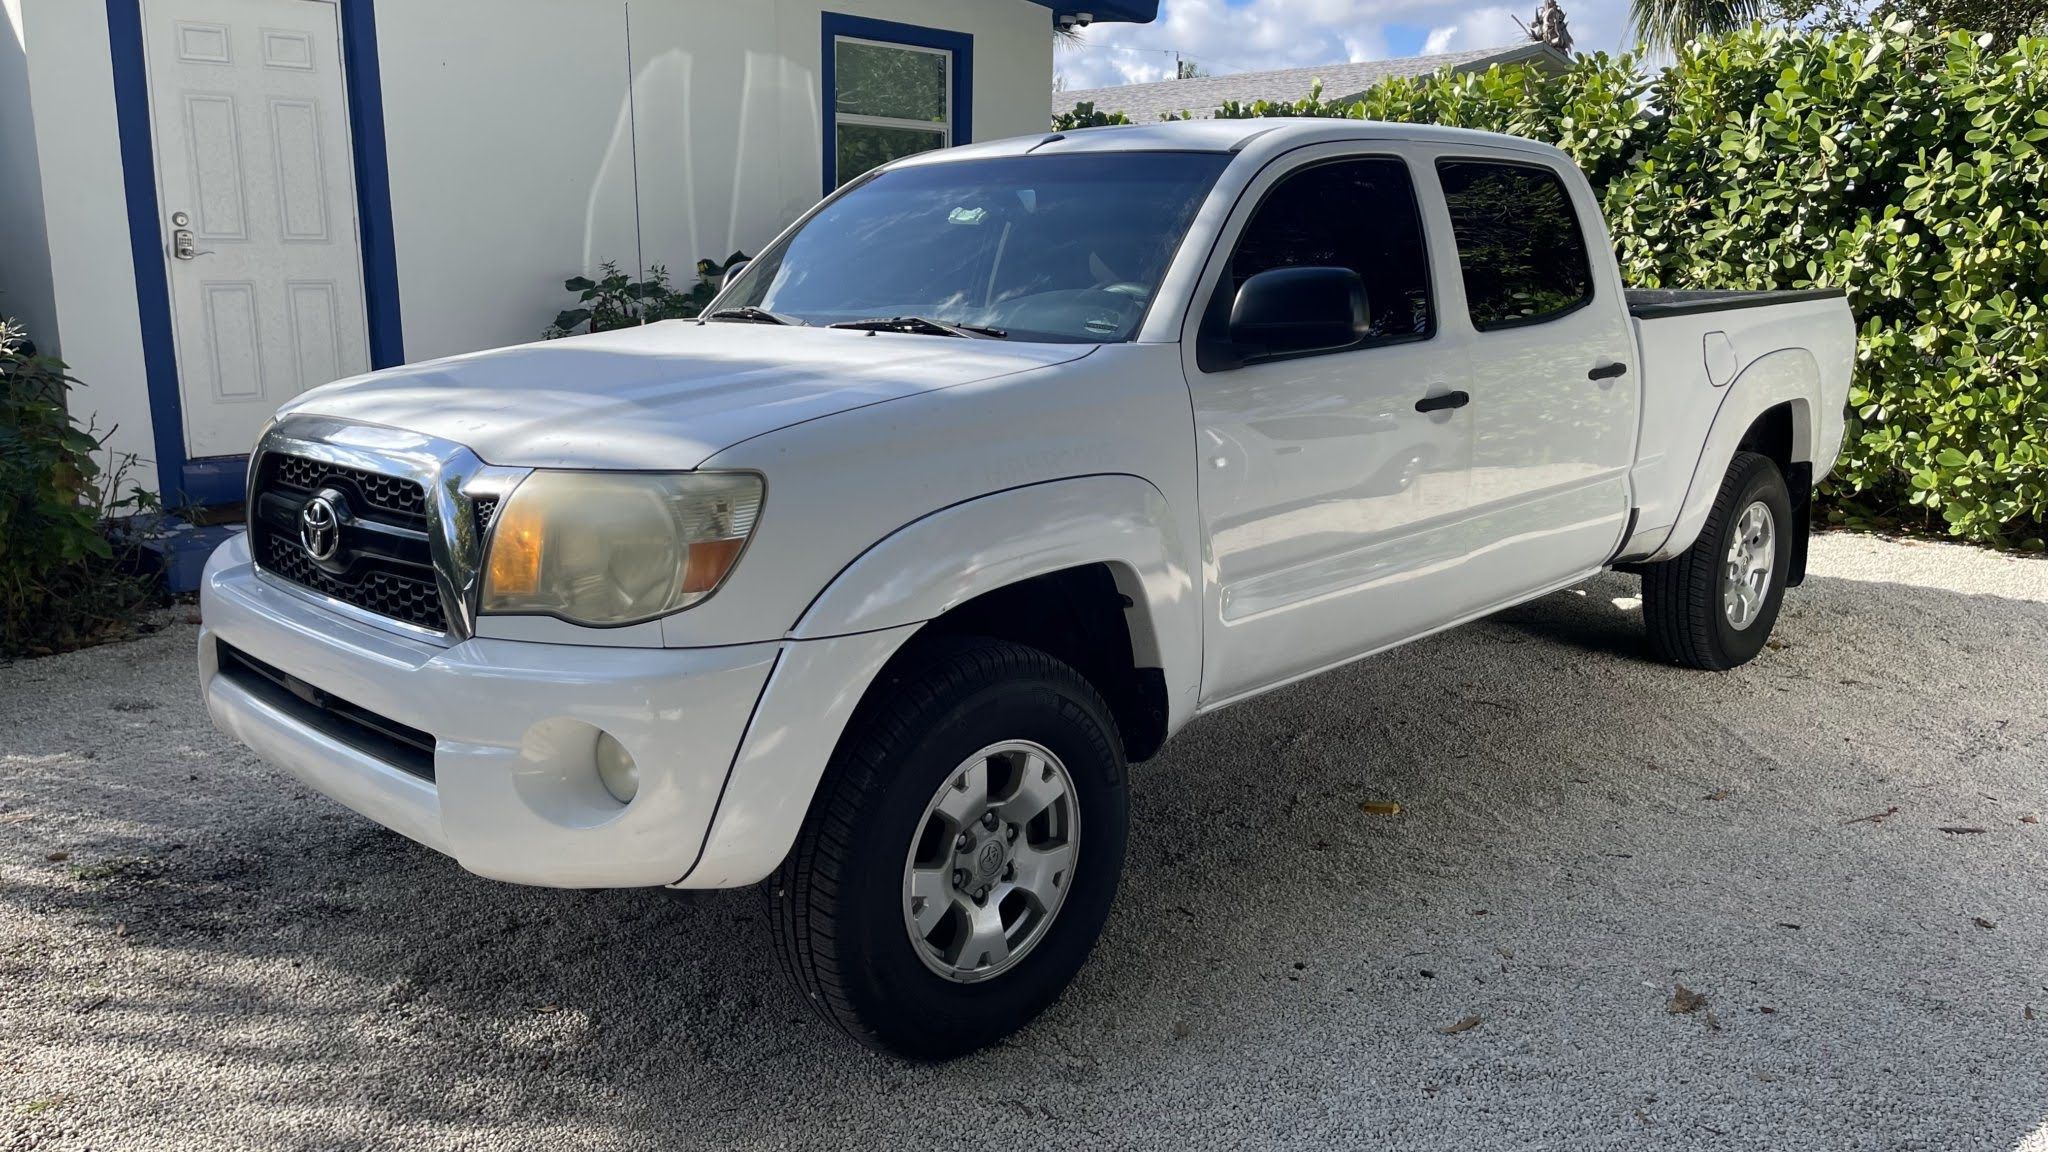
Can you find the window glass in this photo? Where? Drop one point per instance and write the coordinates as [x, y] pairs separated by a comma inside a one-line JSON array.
[[1060, 248], [889, 101], [1520, 248], [900, 83], [1357, 214], [863, 147]]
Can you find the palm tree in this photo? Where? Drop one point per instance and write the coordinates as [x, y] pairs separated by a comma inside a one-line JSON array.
[[1666, 24]]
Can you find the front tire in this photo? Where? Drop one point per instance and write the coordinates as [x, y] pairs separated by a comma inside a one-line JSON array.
[[1712, 606], [962, 852]]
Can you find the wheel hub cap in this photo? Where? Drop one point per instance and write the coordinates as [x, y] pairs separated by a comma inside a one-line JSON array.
[[1746, 574], [991, 861]]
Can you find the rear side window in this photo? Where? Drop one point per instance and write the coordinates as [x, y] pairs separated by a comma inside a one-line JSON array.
[[1357, 214], [1520, 247]]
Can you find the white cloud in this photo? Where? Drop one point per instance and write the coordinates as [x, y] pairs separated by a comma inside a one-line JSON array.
[[1251, 35]]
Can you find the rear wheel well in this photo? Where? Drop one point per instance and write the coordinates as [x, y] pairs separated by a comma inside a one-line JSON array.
[[1078, 616], [1772, 434]]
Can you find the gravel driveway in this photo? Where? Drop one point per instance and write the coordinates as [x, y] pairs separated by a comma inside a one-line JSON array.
[[1835, 847]]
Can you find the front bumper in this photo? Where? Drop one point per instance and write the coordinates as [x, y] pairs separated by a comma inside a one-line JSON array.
[[514, 794]]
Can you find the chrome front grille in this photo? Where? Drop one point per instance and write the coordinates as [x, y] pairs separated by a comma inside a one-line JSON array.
[[385, 562], [407, 513]]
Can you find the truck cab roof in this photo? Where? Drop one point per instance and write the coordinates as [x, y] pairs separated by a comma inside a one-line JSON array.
[[1263, 135]]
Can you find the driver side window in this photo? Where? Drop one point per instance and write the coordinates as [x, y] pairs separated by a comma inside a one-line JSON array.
[[1358, 214]]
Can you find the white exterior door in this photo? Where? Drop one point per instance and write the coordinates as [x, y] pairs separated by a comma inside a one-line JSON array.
[[257, 191]]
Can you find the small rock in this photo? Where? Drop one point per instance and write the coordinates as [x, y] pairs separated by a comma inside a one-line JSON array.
[[1380, 808], [1981, 922], [58, 857], [1180, 1030], [1684, 1000]]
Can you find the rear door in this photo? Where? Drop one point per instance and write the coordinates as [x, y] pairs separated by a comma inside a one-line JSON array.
[[1552, 374], [1329, 502]]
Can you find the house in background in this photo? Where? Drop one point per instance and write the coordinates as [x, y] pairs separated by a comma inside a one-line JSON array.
[[1203, 95], [209, 206]]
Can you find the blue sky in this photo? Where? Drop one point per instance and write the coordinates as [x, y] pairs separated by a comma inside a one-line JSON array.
[[1248, 35]]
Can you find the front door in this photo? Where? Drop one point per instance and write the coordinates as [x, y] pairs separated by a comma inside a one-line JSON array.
[[257, 190], [1332, 504]]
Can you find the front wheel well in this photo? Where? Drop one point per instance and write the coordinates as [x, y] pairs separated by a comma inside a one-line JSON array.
[[1079, 616]]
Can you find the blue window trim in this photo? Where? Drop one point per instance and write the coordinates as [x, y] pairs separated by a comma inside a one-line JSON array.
[[834, 25], [219, 479]]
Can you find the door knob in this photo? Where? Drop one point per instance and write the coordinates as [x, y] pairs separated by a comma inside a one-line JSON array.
[[1607, 371], [1441, 402], [184, 245]]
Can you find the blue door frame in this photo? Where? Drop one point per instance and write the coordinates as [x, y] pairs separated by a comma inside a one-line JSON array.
[[219, 480]]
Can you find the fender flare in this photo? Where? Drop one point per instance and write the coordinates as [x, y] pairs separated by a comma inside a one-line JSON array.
[[1788, 375], [877, 603], [938, 562]]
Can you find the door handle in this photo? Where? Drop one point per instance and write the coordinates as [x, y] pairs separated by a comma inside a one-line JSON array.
[[1607, 371], [1443, 401]]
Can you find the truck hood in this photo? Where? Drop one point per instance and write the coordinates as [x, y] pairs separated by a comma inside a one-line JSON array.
[[665, 396]]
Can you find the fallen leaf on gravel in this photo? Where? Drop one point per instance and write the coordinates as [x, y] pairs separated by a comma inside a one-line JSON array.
[[1180, 1030], [1767, 1010], [2030, 819], [121, 929], [2028, 1014], [1720, 795], [1776, 645], [1380, 808], [1713, 1023], [1479, 911], [1873, 818], [1788, 924], [15, 817], [1981, 922], [58, 857], [1684, 1000], [95, 1002], [1465, 1025], [1957, 830], [1425, 973]]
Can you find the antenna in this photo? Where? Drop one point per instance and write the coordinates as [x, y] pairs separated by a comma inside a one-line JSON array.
[[633, 148]]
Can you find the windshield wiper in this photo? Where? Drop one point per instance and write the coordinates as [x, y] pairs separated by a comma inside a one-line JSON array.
[[923, 324], [752, 315]]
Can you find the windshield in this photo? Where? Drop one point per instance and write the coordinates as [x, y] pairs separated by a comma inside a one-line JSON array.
[[1056, 248]]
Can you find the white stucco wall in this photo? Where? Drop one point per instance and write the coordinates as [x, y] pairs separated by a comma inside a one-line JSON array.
[[509, 139], [25, 290], [85, 220]]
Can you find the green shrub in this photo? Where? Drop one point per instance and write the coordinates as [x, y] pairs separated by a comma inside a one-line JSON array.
[[1084, 115], [1906, 167], [615, 300], [63, 584]]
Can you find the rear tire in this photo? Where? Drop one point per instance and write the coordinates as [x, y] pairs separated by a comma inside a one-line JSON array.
[[1704, 608], [897, 812]]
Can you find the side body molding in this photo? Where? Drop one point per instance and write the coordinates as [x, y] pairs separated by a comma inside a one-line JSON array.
[[1788, 374], [939, 562]]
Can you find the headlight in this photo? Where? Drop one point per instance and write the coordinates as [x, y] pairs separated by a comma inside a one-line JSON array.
[[616, 547]]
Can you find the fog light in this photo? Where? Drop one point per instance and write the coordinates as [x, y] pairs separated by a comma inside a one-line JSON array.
[[616, 768]]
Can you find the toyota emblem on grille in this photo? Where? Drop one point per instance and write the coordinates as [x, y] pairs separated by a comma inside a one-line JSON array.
[[320, 527]]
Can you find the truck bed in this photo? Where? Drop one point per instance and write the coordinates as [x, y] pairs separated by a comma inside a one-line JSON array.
[[1656, 303]]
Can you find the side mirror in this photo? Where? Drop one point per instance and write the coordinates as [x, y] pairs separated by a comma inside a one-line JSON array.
[[1287, 311], [732, 273]]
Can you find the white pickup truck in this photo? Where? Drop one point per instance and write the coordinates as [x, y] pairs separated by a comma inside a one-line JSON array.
[[978, 484]]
